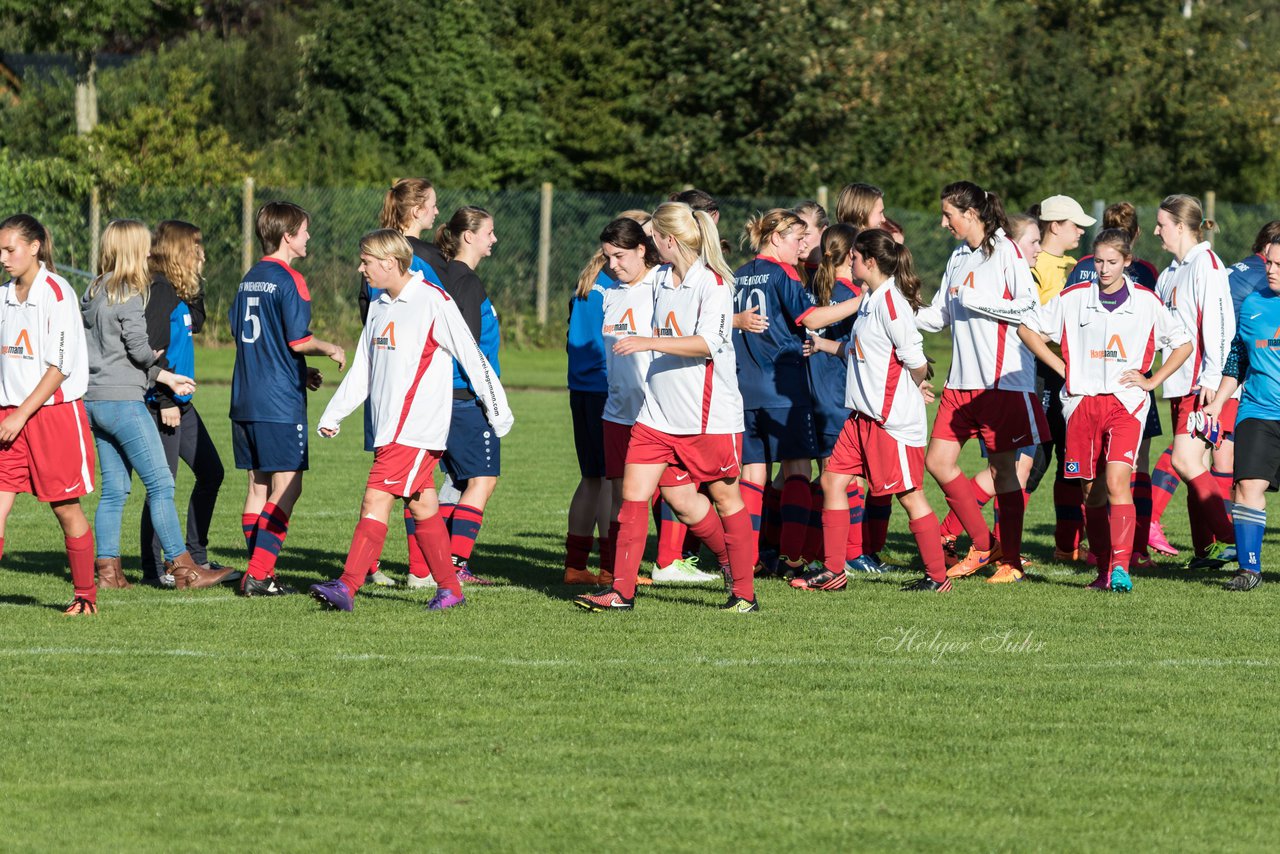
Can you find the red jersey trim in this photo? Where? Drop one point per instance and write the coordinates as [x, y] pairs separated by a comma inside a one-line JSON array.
[[1076, 287], [429, 348], [786, 268], [298, 282], [302, 340], [804, 314], [57, 291], [707, 383], [1014, 245]]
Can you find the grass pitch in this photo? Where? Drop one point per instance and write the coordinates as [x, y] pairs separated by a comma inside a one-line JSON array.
[[1018, 717]]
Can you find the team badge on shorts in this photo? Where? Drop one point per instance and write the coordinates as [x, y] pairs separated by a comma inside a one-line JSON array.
[[1073, 468]]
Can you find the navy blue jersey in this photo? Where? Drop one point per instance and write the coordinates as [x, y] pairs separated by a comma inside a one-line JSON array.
[[1246, 277], [1255, 356], [270, 314], [771, 369], [585, 340], [1139, 271], [828, 372]]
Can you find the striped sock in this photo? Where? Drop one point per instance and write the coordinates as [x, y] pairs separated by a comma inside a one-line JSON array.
[[1250, 525], [853, 543], [753, 497], [875, 523], [671, 535], [1068, 501], [1141, 486], [273, 527], [795, 517], [1164, 483], [771, 517], [249, 526], [464, 527], [1224, 481]]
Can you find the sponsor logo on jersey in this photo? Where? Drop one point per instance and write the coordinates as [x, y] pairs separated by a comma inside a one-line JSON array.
[[1072, 467], [627, 323], [21, 347], [1114, 351], [857, 350], [669, 328], [387, 339], [1272, 343]]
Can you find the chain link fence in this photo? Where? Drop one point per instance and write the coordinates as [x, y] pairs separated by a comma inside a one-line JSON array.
[[341, 215]]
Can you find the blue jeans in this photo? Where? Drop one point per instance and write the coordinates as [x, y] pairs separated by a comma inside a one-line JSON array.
[[127, 441]]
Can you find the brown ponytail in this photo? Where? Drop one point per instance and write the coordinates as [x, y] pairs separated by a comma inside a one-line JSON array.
[[397, 206], [464, 219], [966, 195], [837, 240], [893, 259], [761, 226]]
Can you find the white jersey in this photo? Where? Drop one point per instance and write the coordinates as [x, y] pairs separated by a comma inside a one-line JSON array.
[[684, 395], [1099, 345], [1198, 291], [883, 342], [628, 311], [399, 367], [45, 331], [983, 299]]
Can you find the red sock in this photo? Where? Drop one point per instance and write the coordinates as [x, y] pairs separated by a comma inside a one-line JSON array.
[[366, 546], [1204, 500], [433, 540], [928, 535], [273, 527], [979, 494], [1012, 508], [577, 551], [835, 539], [1141, 486], [609, 553], [964, 504], [951, 526], [795, 518], [633, 529], [1068, 499], [875, 521], [857, 509], [1099, 525], [1165, 482], [1120, 524], [711, 532], [671, 533], [417, 560], [80, 558], [740, 542]]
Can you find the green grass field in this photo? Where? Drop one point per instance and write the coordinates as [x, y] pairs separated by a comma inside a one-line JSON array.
[[1035, 716]]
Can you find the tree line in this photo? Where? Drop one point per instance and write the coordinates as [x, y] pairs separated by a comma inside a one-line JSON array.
[[1096, 98]]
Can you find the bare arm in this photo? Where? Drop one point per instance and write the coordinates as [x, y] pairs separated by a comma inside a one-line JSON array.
[[17, 419], [316, 347], [689, 346]]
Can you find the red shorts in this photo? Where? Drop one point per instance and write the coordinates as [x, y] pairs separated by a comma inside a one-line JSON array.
[[52, 458], [1179, 409], [1004, 420], [616, 439], [700, 458], [866, 450], [1100, 430], [401, 470]]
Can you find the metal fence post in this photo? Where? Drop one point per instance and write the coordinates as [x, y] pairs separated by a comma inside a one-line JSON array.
[[95, 227], [544, 253], [246, 225], [823, 196], [1210, 211]]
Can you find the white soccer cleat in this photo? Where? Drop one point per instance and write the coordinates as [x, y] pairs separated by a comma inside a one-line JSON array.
[[683, 571]]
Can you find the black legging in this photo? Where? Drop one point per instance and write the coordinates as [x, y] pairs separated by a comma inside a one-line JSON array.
[[191, 443]]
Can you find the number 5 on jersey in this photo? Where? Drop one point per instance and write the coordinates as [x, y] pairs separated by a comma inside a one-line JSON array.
[[248, 335]]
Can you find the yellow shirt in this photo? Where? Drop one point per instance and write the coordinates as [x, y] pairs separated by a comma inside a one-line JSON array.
[[1051, 273]]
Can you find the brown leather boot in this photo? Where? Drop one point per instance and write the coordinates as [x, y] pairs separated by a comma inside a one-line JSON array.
[[189, 575], [110, 575]]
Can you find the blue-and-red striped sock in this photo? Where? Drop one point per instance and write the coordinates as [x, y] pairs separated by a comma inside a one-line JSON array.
[[853, 542], [1068, 504], [771, 517], [875, 523], [249, 526], [1224, 481], [795, 517], [1164, 483], [464, 527], [273, 527], [753, 497]]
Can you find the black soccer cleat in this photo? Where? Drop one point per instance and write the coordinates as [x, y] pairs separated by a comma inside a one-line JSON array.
[[269, 586], [1243, 581], [928, 585]]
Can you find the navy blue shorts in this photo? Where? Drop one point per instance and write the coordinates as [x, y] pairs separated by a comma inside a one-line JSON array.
[[774, 435], [472, 449], [587, 408], [266, 446], [1152, 428], [827, 425]]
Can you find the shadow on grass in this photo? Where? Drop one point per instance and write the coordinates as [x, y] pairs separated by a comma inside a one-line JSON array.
[[24, 601]]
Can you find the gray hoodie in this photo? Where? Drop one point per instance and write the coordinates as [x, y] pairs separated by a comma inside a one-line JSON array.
[[122, 365]]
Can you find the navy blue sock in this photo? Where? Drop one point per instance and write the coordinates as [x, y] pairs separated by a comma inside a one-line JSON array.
[[1250, 525]]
